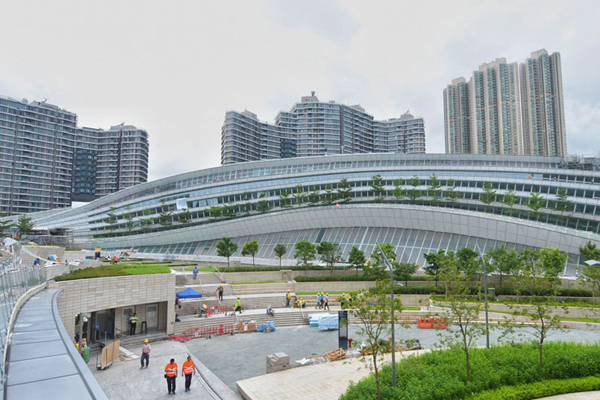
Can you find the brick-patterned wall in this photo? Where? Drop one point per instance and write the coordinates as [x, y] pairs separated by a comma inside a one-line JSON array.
[[89, 295]]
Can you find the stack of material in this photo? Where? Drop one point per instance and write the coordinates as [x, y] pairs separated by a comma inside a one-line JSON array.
[[313, 319], [277, 362], [328, 322], [336, 355]]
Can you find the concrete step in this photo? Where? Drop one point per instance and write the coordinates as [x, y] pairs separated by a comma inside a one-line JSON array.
[[262, 288], [192, 307], [132, 342]]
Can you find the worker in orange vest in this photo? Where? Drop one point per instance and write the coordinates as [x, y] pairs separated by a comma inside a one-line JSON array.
[[171, 375], [189, 369]]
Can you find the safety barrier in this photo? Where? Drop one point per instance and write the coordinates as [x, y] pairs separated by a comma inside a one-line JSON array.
[[209, 331], [432, 323], [245, 326]]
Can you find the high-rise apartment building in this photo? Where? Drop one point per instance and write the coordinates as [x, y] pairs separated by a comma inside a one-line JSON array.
[[502, 110], [313, 128], [543, 106], [46, 161]]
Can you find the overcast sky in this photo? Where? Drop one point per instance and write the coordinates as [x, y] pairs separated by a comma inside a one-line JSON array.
[[175, 67]]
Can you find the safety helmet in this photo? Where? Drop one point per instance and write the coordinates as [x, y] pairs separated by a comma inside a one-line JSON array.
[[145, 340]]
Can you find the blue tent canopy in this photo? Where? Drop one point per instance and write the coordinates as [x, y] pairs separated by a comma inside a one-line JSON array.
[[189, 293]]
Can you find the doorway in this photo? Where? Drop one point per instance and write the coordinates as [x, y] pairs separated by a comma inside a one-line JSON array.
[[125, 324], [104, 325], [152, 317]]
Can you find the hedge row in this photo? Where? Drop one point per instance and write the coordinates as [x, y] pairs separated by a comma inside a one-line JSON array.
[[540, 389], [271, 268], [334, 278], [561, 292], [441, 374]]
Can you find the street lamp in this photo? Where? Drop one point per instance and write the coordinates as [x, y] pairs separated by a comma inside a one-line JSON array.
[[485, 291], [387, 264]]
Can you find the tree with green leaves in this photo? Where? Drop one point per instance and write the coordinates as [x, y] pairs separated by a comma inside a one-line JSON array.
[[463, 314], [226, 248], [356, 258], [590, 274], [399, 193], [165, 216], [562, 203], [502, 261], [434, 190], [589, 251], [344, 191], [414, 193], [304, 253], [538, 275], [314, 197], [451, 194], [285, 200], [5, 225], [330, 253], [435, 261], [146, 222], [25, 224], [129, 224], [378, 188], [468, 263], [403, 271], [263, 206], [215, 211], [184, 216], [111, 221], [329, 196], [488, 197], [536, 203], [250, 249], [510, 199], [373, 311], [377, 269], [280, 250], [299, 195]]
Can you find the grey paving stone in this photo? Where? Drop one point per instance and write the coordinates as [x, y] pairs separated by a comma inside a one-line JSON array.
[[69, 387], [40, 368], [22, 352], [35, 337]]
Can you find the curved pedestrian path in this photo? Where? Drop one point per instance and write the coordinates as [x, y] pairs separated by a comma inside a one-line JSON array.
[[575, 396], [42, 362]]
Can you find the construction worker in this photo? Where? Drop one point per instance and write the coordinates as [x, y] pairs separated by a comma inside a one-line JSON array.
[[238, 305], [350, 300], [171, 375], [302, 303], [133, 321], [189, 369], [219, 292], [288, 298], [270, 311], [326, 301], [146, 348]]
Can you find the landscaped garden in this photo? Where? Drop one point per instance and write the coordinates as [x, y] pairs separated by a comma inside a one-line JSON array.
[[106, 271], [511, 372]]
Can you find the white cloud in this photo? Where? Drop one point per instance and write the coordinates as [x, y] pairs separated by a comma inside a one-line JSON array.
[[176, 67]]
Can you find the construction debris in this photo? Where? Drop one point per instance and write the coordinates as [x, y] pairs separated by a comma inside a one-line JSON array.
[[336, 355], [277, 362]]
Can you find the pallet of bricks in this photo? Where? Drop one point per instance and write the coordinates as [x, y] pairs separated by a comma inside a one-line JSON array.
[[336, 355]]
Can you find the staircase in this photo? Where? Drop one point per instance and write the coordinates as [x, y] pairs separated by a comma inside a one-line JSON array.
[[133, 342], [261, 288]]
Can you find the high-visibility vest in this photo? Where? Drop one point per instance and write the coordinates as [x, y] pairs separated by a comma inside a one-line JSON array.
[[188, 367], [133, 319], [171, 369]]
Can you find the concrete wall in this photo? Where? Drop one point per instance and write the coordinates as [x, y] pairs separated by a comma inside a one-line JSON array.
[[42, 252], [88, 295], [332, 286]]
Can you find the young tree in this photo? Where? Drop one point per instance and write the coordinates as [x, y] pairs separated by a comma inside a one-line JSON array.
[[280, 250], [226, 248], [467, 262], [285, 200], [328, 197], [464, 315], [562, 202], [404, 270], [414, 193], [145, 223], [502, 261], [184, 217], [373, 311], [434, 190], [299, 195], [378, 188], [305, 252], [129, 224], [399, 193], [165, 217], [112, 221], [250, 249], [215, 211], [330, 253], [488, 197], [377, 269], [510, 199], [24, 225], [589, 251], [314, 197], [263, 206], [4, 225], [451, 194], [356, 258], [435, 262], [344, 191], [538, 276], [536, 203]]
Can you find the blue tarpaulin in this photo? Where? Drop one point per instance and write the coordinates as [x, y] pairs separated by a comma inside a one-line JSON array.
[[189, 293], [328, 322]]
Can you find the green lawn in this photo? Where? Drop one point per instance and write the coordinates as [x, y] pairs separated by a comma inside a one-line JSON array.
[[105, 271], [203, 269], [257, 283]]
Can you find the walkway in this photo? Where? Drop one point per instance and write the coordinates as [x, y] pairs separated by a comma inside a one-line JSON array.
[[42, 361], [575, 396], [124, 380]]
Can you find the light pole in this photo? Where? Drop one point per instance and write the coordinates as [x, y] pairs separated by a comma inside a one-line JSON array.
[[387, 264], [485, 291]]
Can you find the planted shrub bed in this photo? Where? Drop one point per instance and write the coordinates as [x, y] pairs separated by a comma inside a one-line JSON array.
[[441, 374], [106, 271]]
